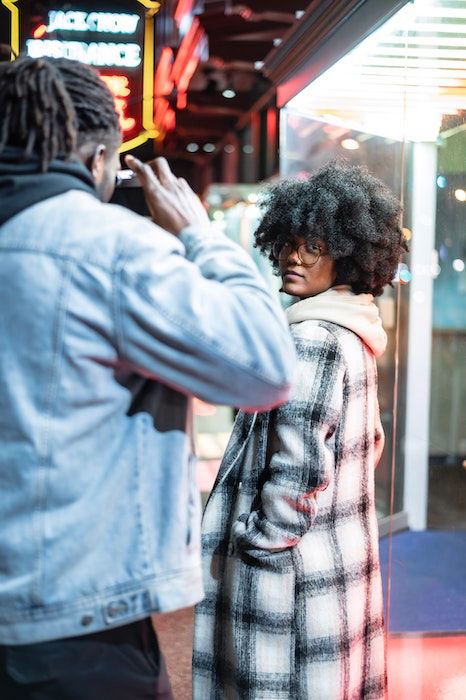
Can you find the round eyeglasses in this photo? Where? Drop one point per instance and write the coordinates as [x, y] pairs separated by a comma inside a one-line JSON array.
[[308, 253]]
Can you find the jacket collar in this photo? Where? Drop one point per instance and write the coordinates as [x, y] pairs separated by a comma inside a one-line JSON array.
[[22, 184]]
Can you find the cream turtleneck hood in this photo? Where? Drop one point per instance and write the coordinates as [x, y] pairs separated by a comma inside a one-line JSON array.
[[340, 305]]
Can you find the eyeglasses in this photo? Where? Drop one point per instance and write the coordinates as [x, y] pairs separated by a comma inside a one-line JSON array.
[[308, 253]]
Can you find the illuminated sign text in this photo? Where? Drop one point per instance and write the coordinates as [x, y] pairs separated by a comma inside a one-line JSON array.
[[97, 53], [119, 87], [76, 21]]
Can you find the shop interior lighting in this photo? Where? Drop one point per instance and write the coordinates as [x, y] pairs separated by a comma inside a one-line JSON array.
[[460, 195], [458, 265], [229, 93], [414, 64], [192, 147], [350, 144], [208, 147], [229, 148]]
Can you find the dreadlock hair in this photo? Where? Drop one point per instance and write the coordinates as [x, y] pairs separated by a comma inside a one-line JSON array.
[[93, 103], [347, 208], [51, 107]]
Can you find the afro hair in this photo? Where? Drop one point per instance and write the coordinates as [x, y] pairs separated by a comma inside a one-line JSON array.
[[351, 211]]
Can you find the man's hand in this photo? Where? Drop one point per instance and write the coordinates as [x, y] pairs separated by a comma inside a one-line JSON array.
[[171, 202]]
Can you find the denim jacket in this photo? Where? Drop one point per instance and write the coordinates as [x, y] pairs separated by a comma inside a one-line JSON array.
[[107, 325]]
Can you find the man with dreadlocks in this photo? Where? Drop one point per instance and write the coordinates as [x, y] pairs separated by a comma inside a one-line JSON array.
[[108, 324]]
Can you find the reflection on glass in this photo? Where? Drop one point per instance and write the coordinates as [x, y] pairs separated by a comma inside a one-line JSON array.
[[397, 103]]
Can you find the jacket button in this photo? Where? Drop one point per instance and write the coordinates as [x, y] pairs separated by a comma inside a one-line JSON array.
[[86, 620]]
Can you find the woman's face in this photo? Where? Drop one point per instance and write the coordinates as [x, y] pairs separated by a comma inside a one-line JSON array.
[[306, 270]]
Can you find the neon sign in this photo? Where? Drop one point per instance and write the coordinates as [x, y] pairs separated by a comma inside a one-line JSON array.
[[75, 21], [115, 36], [119, 87], [94, 54]]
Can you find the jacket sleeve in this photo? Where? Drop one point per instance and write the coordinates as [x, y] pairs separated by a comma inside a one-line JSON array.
[[194, 313], [302, 453]]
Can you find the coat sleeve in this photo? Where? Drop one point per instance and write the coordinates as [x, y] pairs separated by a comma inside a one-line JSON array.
[[379, 436], [194, 313], [302, 453]]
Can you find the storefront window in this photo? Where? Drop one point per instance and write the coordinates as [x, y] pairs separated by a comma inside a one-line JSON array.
[[234, 210], [397, 103]]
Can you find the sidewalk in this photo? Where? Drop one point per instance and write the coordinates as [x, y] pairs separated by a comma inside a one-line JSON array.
[[175, 631]]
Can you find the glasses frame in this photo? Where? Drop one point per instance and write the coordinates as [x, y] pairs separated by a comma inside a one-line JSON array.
[[276, 253]]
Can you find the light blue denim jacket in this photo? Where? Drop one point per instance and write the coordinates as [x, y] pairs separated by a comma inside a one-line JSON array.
[[107, 325]]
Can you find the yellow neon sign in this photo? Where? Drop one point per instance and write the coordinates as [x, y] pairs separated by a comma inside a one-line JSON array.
[[148, 127], [14, 26]]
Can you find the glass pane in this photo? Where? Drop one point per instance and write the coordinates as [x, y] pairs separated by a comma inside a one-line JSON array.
[[307, 144], [397, 103], [234, 211]]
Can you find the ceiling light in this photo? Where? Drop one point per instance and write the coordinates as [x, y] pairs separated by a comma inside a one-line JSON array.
[[248, 149], [350, 144], [208, 147], [229, 93], [192, 147], [460, 195], [229, 148], [458, 265]]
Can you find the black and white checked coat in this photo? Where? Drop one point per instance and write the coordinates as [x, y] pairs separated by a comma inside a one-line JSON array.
[[293, 605]]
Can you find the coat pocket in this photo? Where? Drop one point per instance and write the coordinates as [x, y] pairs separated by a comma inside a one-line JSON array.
[[270, 561]]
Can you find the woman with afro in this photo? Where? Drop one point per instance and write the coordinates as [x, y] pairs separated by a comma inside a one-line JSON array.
[[293, 606]]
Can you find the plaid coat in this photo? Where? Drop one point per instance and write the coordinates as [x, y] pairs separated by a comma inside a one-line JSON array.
[[293, 605]]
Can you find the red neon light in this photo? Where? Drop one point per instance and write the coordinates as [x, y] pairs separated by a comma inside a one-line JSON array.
[[40, 31], [161, 107], [119, 87], [170, 119], [163, 85], [187, 74], [183, 8], [164, 117], [126, 123], [181, 100], [117, 84], [187, 47]]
